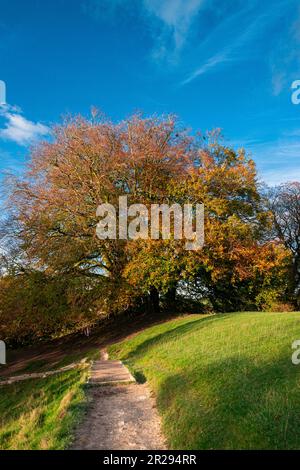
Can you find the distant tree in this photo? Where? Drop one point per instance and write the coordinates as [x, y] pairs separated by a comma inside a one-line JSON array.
[[285, 207]]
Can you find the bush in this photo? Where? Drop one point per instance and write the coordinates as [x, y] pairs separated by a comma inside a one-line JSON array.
[[269, 300]]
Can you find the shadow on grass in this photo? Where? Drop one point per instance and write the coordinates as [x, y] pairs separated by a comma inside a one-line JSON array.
[[75, 346], [191, 326], [139, 376], [232, 404]]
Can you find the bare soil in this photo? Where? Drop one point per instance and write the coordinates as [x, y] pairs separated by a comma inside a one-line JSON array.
[[120, 417]]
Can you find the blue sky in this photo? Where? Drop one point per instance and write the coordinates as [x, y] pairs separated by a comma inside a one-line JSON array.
[[214, 63]]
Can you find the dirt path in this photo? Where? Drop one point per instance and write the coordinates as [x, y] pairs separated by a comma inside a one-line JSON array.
[[120, 417], [106, 372]]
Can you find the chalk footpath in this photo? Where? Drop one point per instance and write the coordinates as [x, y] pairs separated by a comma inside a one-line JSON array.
[[121, 413]]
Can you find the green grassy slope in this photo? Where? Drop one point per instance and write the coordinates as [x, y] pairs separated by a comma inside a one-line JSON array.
[[42, 413], [224, 381]]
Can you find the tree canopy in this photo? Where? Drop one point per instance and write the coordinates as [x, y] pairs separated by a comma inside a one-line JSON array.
[[52, 221]]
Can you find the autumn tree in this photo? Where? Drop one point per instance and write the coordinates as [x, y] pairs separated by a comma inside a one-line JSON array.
[[52, 218], [88, 163], [236, 262]]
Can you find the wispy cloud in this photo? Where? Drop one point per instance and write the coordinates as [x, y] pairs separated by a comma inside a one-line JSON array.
[[209, 64], [176, 17], [275, 176], [241, 29], [284, 59], [278, 81], [278, 161], [196, 37], [168, 21], [18, 129]]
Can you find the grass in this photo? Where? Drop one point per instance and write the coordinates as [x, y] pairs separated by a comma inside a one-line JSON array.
[[41, 413], [222, 381]]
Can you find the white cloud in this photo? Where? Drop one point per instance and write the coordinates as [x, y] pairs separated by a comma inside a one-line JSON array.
[[211, 63], [170, 20], [284, 61], [241, 28], [19, 129], [176, 17]]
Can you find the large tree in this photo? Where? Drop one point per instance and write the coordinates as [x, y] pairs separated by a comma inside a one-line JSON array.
[[236, 262], [88, 162]]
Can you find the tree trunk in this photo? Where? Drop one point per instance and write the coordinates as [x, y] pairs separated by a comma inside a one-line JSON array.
[[171, 297], [296, 281], [154, 300]]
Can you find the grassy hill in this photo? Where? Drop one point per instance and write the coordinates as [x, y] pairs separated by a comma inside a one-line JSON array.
[[223, 381]]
